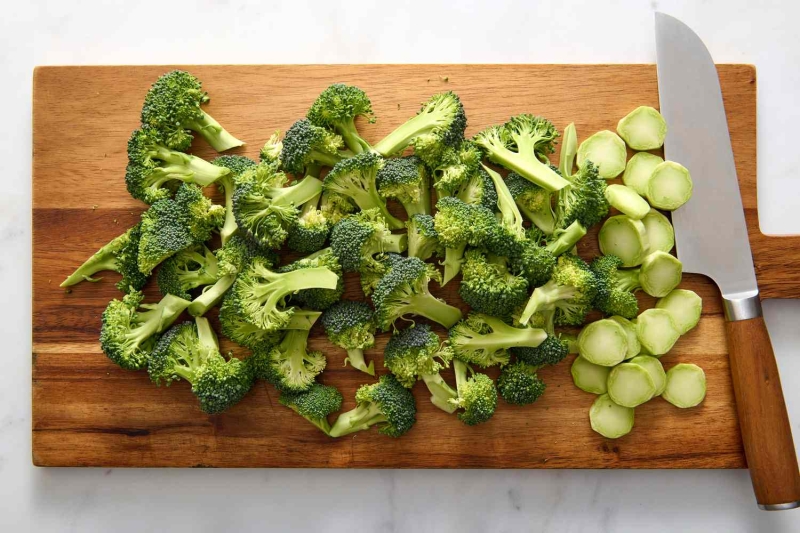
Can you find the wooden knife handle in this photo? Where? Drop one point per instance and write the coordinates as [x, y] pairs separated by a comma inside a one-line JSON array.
[[764, 422]]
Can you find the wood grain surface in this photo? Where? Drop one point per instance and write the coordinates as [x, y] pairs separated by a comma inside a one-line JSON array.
[[88, 412]]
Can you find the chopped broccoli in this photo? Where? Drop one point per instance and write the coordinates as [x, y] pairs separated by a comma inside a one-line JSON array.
[[479, 190], [271, 151], [337, 108], [551, 351], [488, 287], [358, 238], [237, 253], [239, 330], [533, 201], [457, 166], [485, 340], [570, 291], [583, 200], [615, 287], [289, 365], [423, 241], [317, 298], [188, 269], [539, 254], [477, 395], [307, 146], [335, 207], [351, 325], [236, 164], [459, 224], [386, 404], [309, 231], [406, 180], [518, 384], [314, 405], [172, 106]]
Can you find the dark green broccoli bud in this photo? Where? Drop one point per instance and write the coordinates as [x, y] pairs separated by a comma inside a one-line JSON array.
[[403, 290], [372, 273], [521, 145], [315, 404], [423, 241], [237, 253], [271, 151], [485, 340], [570, 291], [440, 123], [615, 287], [356, 178], [170, 226], [414, 354], [337, 107], [127, 335], [335, 207], [477, 395], [317, 298], [309, 231], [533, 201], [488, 287], [120, 255], [479, 190], [188, 269], [584, 200], [172, 106], [457, 166], [406, 180], [358, 238], [289, 365], [518, 384], [386, 404], [306, 145], [237, 165], [351, 325], [236, 327], [552, 350], [459, 224], [539, 252]]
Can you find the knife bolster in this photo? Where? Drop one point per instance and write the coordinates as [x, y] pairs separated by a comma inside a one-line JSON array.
[[742, 307]]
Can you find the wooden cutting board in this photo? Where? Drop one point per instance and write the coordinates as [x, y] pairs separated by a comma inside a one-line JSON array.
[[88, 412]]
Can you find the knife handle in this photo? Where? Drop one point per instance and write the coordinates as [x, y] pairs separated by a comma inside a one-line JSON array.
[[766, 431]]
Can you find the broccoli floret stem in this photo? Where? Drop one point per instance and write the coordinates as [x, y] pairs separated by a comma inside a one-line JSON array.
[[370, 200], [103, 259], [425, 304], [400, 138], [362, 417], [303, 319], [202, 172], [211, 296], [461, 370], [229, 227], [627, 279], [525, 163], [279, 285], [299, 193], [545, 297], [205, 334], [211, 130], [395, 243], [505, 336], [157, 318], [508, 207], [347, 129], [567, 240], [544, 219], [355, 356], [441, 392], [453, 259]]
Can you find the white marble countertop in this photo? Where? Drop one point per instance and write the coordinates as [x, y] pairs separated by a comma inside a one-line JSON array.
[[511, 31]]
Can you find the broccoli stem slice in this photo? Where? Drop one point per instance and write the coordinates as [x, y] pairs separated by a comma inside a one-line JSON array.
[[401, 137], [441, 392], [211, 296], [358, 419], [229, 226], [211, 130], [530, 168], [453, 259], [102, 259], [427, 305], [355, 356], [545, 297], [567, 240]]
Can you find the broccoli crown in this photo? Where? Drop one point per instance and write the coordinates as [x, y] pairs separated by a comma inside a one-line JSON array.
[[237, 164], [479, 190], [583, 200], [459, 223], [570, 292], [552, 351], [414, 352], [535, 263], [485, 340], [423, 240], [488, 287], [614, 291], [391, 405], [127, 262], [172, 225], [309, 232], [315, 297], [236, 327], [289, 365], [456, 168], [172, 106], [190, 268], [350, 325], [334, 207], [270, 153], [314, 404], [221, 384], [405, 179], [306, 145], [237, 253], [357, 238], [518, 384], [337, 108], [477, 396]]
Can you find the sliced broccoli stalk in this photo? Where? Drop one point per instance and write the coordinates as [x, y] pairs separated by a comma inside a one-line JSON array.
[[643, 128], [477, 395], [627, 201], [351, 325], [386, 404], [626, 238], [670, 186], [314, 405], [606, 150], [660, 233], [337, 108], [638, 171]]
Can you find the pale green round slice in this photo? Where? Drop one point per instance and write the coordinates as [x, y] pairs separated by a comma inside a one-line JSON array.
[[660, 233], [606, 150], [626, 238], [638, 171], [627, 201], [686, 385], [589, 377], [660, 273], [669, 187], [634, 347], [684, 306], [643, 128], [603, 343], [655, 369], [656, 331], [630, 385], [609, 419]]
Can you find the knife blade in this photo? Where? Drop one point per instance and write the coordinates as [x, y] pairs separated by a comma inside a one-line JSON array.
[[711, 239]]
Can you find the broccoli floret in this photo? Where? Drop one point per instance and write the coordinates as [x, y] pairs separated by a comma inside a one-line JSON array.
[[477, 395], [459, 224], [127, 335], [403, 290], [485, 340], [488, 287], [533, 201], [306, 145], [335, 207], [235, 326], [356, 178], [315, 404], [539, 252], [479, 190], [518, 384], [456, 167], [188, 269], [337, 108], [440, 123], [309, 231], [351, 325], [271, 151], [551, 351], [190, 351], [507, 238], [584, 200], [121, 256], [237, 253], [259, 293], [423, 241], [570, 291], [414, 354], [358, 238], [406, 180], [386, 404], [317, 298], [236, 164], [289, 365], [172, 225], [615, 287], [172, 106]]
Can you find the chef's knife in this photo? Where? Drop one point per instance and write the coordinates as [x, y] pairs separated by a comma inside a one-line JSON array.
[[711, 237]]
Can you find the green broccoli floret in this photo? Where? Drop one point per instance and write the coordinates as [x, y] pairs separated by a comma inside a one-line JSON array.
[[386, 404], [518, 384], [172, 106], [236, 327], [315, 404], [358, 238], [403, 290], [414, 354], [356, 178], [551, 351], [485, 340], [317, 298], [584, 200], [457, 166], [337, 108], [570, 291], [127, 335], [423, 241], [171, 225], [479, 190], [477, 395], [190, 351], [289, 365], [615, 287], [309, 231], [459, 224], [372, 273], [236, 164], [522, 145], [488, 287], [120, 255], [334, 207], [539, 252], [406, 180], [188, 269], [440, 123], [271, 151], [351, 325], [237, 253], [533, 201], [307, 146]]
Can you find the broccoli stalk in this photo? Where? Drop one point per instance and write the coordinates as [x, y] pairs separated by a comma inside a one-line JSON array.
[[477, 395], [485, 340], [386, 404], [337, 108]]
